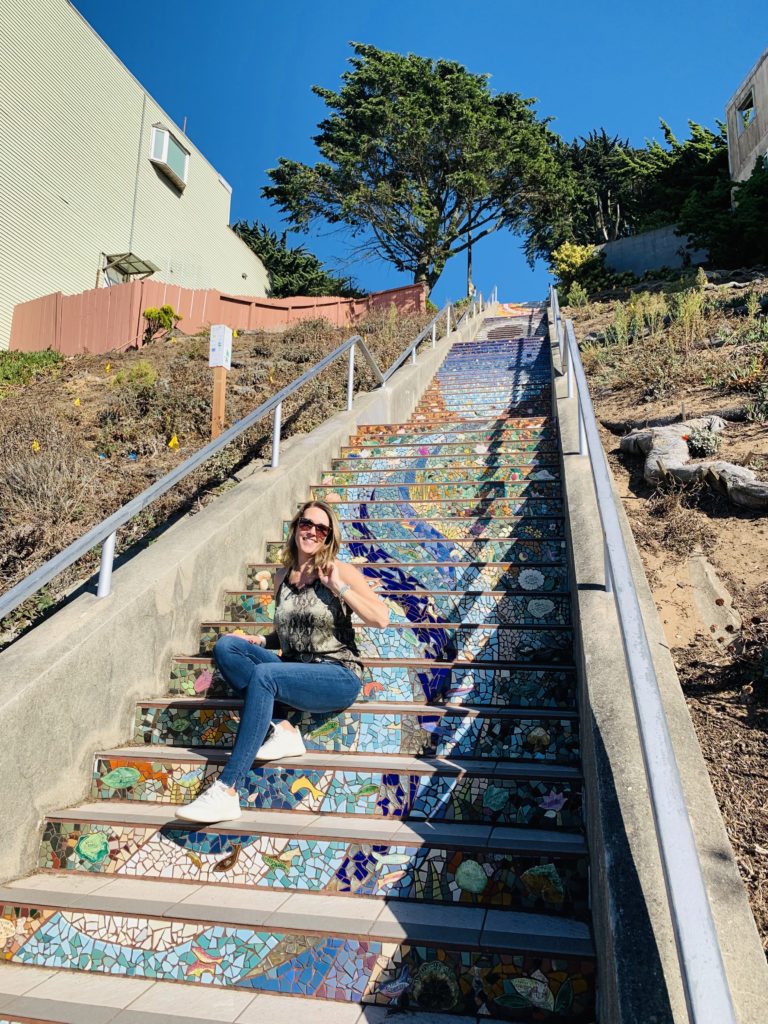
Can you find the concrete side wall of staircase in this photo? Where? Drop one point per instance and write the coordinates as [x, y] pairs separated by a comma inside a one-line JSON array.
[[639, 973], [71, 685]]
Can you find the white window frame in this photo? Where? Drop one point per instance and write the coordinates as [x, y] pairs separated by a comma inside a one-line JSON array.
[[161, 161]]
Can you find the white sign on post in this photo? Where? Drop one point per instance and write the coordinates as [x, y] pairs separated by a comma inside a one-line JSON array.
[[220, 353]]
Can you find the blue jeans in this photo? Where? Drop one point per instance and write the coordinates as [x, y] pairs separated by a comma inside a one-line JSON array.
[[260, 677]]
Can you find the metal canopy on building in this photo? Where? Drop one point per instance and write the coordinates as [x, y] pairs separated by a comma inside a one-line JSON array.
[[130, 265]]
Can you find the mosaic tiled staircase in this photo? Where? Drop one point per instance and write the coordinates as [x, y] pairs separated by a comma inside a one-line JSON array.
[[433, 856]]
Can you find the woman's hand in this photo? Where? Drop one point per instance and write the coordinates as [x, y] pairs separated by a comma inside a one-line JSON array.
[[331, 577], [359, 595]]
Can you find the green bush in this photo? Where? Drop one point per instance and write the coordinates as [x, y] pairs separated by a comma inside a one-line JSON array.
[[162, 319], [21, 367], [703, 444]]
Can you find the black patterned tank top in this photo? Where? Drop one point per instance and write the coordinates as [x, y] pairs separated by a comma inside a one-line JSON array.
[[312, 624]]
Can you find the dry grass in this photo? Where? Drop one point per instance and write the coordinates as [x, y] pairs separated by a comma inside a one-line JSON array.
[[77, 445]]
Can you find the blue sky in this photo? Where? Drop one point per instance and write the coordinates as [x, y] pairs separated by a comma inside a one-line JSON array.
[[241, 72]]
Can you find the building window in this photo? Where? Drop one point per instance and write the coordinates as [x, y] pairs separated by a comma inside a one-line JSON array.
[[745, 112], [169, 156]]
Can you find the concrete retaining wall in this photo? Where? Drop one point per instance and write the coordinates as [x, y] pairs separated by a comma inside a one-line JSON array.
[[69, 687], [650, 251], [638, 966]]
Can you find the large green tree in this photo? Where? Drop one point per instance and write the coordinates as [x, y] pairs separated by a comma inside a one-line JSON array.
[[420, 160], [292, 271]]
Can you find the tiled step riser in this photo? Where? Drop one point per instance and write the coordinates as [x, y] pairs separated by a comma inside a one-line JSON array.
[[441, 686], [475, 490], [449, 576], [437, 607], [467, 509], [414, 528], [366, 461], [537, 552], [345, 969], [453, 734], [492, 433], [542, 883], [524, 427], [524, 476], [455, 450], [534, 646], [535, 802], [435, 415]]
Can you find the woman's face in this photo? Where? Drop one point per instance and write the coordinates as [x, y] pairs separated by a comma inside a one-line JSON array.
[[312, 531]]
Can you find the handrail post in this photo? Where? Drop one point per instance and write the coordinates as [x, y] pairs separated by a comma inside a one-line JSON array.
[[582, 432], [413, 354], [104, 588], [276, 425], [434, 334], [448, 320], [351, 377]]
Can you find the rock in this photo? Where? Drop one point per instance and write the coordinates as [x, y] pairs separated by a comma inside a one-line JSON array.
[[713, 602]]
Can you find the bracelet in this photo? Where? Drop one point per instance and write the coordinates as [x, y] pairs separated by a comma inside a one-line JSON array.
[[343, 590]]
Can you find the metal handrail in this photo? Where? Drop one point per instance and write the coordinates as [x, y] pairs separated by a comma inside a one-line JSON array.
[[105, 532], [702, 968]]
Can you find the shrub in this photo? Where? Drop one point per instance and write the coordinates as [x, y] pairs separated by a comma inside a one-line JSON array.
[[703, 444], [576, 295], [21, 367], [570, 258], [688, 314], [162, 319]]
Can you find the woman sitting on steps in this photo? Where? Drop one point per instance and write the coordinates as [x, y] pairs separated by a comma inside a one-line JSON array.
[[319, 668]]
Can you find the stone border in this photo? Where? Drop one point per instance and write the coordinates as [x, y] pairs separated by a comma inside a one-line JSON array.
[[69, 687], [639, 976]]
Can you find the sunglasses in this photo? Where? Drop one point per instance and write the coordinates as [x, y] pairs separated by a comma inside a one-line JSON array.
[[320, 529]]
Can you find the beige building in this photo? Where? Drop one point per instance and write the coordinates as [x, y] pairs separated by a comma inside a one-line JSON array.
[[95, 178], [747, 119]]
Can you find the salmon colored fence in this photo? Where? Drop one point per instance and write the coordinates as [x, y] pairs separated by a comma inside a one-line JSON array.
[[105, 319]]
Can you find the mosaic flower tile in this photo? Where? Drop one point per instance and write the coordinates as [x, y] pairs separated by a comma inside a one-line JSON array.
[[442, 475], [421, 549], [496, 799], [348, 969], [451, 734], [437, 607], [470, 685], [413, 528], [474, 490], [542, 579], [440, 643], [541, 883]]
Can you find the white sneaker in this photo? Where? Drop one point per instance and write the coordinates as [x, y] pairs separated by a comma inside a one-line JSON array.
[[215, 804], [281, 743]]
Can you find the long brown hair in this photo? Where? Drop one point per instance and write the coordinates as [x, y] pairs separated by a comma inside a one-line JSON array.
[[327, 551]]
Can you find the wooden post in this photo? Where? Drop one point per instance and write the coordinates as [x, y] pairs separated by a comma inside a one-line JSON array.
[[218, 406]]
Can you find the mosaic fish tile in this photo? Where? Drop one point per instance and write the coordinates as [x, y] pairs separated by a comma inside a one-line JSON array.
[[541, 883], [452, 734], [439, 643], [462, 685], [543, 579], [348, 969], [537, 552], [413, 528], [537, 803], [474, 490], [437, 607]]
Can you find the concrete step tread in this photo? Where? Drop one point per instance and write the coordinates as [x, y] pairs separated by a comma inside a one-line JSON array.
[[379, 708], [303, 913], [333, 826], [389, 764], [44, 995]]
